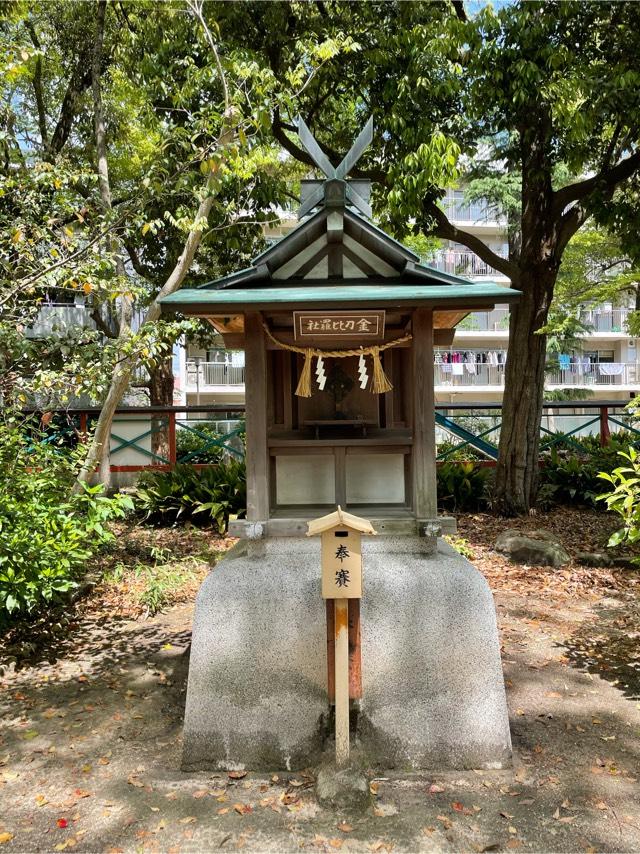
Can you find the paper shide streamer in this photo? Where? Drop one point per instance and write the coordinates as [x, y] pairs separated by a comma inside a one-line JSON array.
[[380, 382]]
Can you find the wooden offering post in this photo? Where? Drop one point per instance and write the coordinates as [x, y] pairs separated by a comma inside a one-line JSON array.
[[341, 580]]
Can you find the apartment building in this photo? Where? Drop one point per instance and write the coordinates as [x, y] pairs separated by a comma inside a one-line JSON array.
[[472, 369]]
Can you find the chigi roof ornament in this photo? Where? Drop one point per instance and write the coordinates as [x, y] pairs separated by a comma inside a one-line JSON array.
[[336, 191]]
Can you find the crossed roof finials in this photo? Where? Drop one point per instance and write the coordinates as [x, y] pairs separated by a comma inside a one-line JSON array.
[[335, 173]]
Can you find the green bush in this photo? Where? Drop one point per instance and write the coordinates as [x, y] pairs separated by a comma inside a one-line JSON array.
[[209, 494], [571, 477], [462, 486], [624, 499], [194, 447], [47, 534]]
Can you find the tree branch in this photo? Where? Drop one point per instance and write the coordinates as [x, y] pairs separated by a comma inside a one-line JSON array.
[[100, 323], [80, 80], [448, 231], [605, 179], [458, 7], [37, 87]]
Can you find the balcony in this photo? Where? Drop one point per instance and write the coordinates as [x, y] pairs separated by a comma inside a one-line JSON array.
[[461, 263], [214, 376], [612, 320], [485, 321], [59, 319], [474, 213], [579, 374]]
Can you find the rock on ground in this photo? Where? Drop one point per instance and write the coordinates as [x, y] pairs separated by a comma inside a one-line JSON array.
[[537, 548]]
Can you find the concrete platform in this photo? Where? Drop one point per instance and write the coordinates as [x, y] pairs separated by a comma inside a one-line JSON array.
[[432, 677]]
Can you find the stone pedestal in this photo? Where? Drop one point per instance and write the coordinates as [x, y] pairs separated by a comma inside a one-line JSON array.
[[433, 691]]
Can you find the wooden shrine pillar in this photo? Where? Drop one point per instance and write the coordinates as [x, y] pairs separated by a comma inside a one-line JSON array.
[[257, 458], [424, 422]]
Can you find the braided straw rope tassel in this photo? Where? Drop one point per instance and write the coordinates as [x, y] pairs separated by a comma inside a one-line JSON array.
[[304, 383], [380, 383]]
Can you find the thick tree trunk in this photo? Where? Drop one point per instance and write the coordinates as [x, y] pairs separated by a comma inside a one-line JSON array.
[[517, 470], [161, 394]]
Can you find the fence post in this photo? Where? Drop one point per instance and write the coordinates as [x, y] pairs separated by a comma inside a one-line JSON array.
[[172, 439], [605, 433]]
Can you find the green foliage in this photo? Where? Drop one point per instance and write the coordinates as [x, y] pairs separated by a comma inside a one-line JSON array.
[[210, 495], [624, 499], [194, 446], [573, 477], [461, 546], [153, 586], [462, 486], [47, 534]]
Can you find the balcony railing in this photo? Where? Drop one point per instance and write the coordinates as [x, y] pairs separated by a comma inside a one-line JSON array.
[[207, 374], [606, 320], [485, 321], [577, 374], [478, 213], [461, 263], [59, 318]]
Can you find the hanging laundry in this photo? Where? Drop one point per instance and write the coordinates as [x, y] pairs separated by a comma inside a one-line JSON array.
[[457, 368], [610, 369], [564, 360]]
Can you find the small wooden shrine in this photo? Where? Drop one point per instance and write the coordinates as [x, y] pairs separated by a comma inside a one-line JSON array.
[[338, 322]]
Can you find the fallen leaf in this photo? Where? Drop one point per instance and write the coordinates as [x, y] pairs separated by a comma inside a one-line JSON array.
[[513, 830], [243, 809], [345, 827], [200, 793], [447, 823], [188, 819], [373, 787], [236, 775], [223, 810], [81, 793], [5, 836], [62, 822], [336, 843], [435, 789], [41, 800], [133, 781], [506, 815], [601, 805]]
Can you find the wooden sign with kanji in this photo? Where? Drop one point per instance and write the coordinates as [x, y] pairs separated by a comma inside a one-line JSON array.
[[341, 555]]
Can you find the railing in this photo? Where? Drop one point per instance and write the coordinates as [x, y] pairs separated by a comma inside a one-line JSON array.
[[460, 263], [577, 375], [485, 321], [145, 437], [150, 437], [479, 212], [61, 318], [206, 374], [606, 320], [476, 426]]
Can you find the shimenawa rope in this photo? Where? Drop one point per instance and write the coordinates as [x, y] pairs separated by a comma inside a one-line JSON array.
[[380, 383]]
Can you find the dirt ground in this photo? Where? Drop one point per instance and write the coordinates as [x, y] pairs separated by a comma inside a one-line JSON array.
[[90, 733]]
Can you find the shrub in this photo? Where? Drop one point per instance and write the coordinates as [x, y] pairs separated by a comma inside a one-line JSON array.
[[462, 486], [47, 534], [624, 499], [571, 477], [210, 494], [194, 446]]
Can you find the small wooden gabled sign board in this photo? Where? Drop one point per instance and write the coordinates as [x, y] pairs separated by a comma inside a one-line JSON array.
[[341, 561]]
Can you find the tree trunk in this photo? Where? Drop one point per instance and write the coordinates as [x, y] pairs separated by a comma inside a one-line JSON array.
[[517, 469], [161, 394]]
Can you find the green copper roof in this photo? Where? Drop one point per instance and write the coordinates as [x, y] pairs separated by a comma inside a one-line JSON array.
[[207, 301]]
